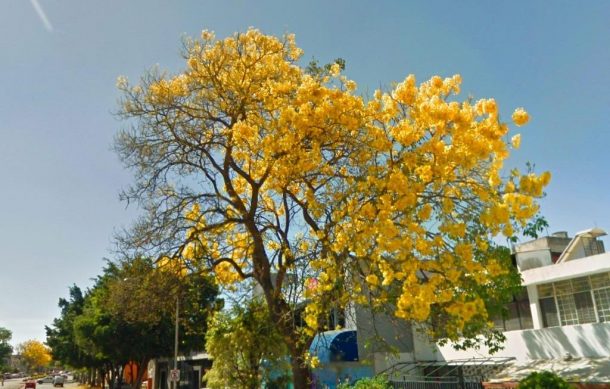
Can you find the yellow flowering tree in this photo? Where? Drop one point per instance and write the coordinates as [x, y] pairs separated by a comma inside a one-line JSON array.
[[251, 167], [35, 354]]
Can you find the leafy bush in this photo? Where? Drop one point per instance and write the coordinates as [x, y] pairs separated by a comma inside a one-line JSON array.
[[379, 382], [543, 380]]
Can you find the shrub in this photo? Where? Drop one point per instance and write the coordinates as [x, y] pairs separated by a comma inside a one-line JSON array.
[[543, 380], [379, 382]]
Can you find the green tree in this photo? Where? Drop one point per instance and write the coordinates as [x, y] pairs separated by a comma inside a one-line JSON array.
[[142, 291], [143, 294], [111, 332], [247, 349], [60, 335], [6, 350]]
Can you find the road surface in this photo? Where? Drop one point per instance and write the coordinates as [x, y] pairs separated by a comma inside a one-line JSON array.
[[17, 383]]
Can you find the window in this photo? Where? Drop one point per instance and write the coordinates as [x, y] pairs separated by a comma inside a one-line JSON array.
[[518, 314], [525, 313], [600, 280], [581, 284], [545, 290], [563, 287], [512, 321], [549, 312], [567, 310], [577, 301], [602, 301], [584, 307]]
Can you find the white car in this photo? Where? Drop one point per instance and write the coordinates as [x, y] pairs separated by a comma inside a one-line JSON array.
[[46, 380], [58, 380]]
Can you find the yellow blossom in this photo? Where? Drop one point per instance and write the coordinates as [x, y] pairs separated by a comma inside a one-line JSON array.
[[335, 69], [372, 279], [515, 141], [207, 35], [520, 117]]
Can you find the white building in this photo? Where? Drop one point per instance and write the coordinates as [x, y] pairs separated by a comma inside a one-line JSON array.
[[562, 323]]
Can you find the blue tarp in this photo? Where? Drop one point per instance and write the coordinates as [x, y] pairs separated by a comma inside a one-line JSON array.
[[339, 362], [335, 346]]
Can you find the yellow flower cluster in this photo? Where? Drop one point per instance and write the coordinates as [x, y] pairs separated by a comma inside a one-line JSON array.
[[520, 117], [311, 360]]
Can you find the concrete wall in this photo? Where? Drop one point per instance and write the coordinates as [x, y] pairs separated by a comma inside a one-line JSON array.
[[586, 340], [570, 269], [553, 243], [380, 332]]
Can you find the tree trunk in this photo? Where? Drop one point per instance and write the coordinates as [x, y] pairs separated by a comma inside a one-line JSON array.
[[282, 315], [119, 375], [103, 378], [142, 369], [301, 377], [111, 376]]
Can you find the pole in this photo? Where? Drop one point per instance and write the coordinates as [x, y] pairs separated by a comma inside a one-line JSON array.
[[174, 384]]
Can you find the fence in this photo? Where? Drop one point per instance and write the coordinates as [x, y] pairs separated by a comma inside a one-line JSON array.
[[438, 383]]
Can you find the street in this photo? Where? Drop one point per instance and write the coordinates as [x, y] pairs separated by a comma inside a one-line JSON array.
[[17, 383]]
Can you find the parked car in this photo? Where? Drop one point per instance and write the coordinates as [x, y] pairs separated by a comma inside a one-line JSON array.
[[58, 381], [31, 384], [46, 380]]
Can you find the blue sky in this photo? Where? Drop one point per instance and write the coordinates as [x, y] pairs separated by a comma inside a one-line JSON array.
[[60, 180]]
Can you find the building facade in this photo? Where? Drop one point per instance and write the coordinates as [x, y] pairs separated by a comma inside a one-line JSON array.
[[561, 321]]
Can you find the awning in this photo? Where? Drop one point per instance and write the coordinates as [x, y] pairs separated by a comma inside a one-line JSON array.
[[481, 367], [335, 346]]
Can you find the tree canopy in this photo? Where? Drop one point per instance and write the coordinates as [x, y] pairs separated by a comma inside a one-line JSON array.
[[251, 166], [246, 347], [5, 347], [35, 354], [60, 336], [128, 316]]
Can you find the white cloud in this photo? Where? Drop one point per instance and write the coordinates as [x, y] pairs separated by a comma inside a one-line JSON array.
[[42, 15]]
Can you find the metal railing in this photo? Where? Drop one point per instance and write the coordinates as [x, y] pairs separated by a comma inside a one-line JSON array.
[[438, 383]]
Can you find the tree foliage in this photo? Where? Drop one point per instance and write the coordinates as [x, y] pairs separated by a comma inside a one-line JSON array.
[[35, 354], [6, 350], [61, 337], [379, 382], [250, 167], [545, 379], [536, 226], [144, 292], [247, 348], [127, 317]]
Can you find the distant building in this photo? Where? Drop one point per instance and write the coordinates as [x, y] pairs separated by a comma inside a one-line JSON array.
[[15, 363], [192, 366]]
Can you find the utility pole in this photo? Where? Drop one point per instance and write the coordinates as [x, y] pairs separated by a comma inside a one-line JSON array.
[[174, 383]]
